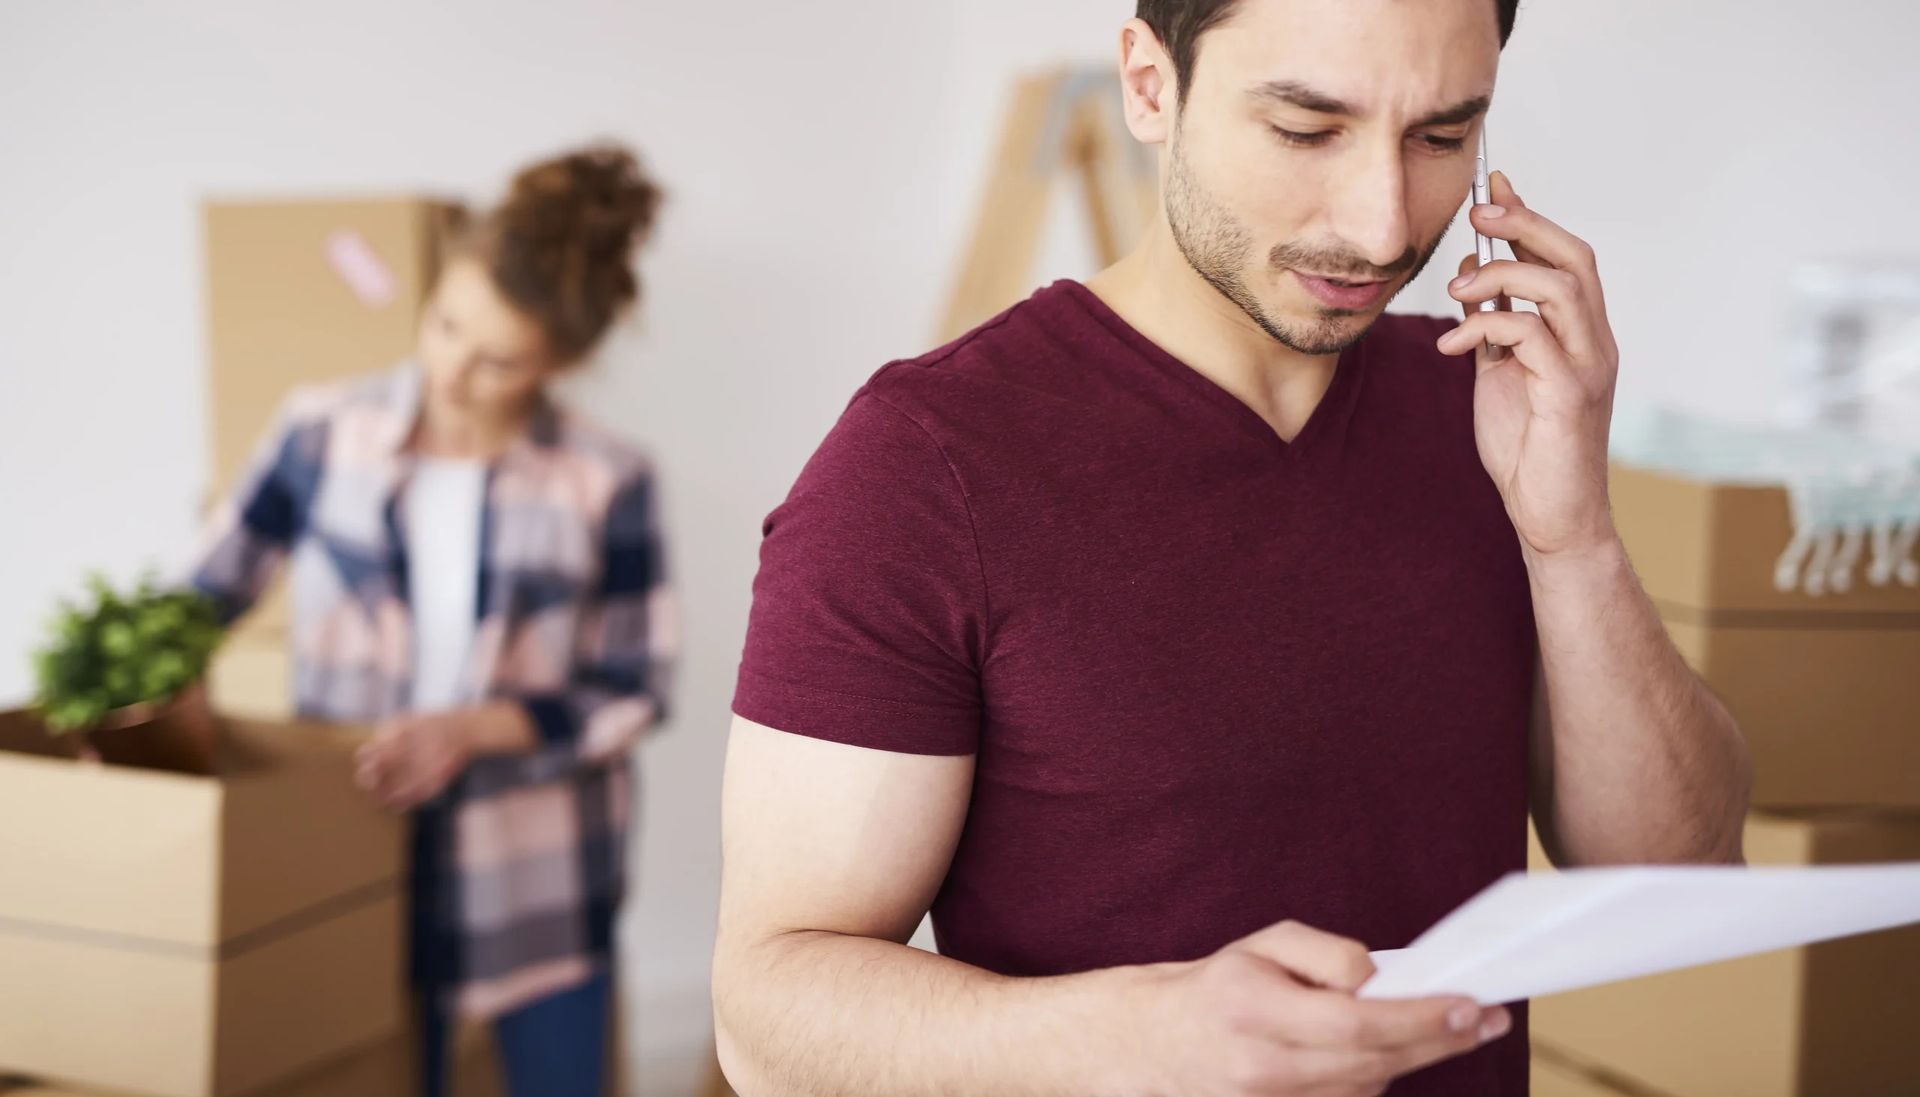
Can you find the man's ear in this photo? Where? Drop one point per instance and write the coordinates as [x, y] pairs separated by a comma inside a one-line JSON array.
[[1148, 87]]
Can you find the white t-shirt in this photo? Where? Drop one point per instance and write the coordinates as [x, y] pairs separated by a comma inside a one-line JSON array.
[[442, 507]]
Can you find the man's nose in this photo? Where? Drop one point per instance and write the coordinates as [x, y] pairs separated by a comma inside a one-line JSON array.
[[1370, 209]]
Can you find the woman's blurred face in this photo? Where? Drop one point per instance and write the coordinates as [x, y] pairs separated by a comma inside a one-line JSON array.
[[484, 359]]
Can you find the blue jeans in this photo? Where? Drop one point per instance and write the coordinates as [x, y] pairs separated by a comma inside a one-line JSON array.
[[555, 1047]]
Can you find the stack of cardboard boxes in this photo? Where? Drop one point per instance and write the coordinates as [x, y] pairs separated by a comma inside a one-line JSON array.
[[168, 935], [165, 935], [190, 936], [1827, 690], [1823, 685]]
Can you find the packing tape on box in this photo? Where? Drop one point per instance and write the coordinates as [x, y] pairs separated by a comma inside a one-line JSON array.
[[1854, 501], [360, 267]]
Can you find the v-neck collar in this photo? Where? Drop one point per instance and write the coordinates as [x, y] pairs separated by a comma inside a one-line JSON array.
[[1333, 407]]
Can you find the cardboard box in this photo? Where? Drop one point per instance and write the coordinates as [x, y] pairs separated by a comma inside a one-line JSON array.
[[1554, 1076], [1836, 1018], [303, 292], [307, 292], [1712, 546], [1824, 686], [1831, 715], [188, 936], [389, 1068], [252, 676]]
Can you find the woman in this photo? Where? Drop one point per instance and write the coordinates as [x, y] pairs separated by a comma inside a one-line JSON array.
[[477, 572]]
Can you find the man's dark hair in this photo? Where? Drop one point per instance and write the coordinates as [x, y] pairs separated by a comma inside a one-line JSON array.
[[1180, 23]]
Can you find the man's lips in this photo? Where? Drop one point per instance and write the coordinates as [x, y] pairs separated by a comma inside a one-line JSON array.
[[1341, 294]]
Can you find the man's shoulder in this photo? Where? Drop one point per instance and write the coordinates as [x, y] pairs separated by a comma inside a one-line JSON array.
[[1007, 366]]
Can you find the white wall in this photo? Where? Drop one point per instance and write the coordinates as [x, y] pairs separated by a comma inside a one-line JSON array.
[[823, 160]]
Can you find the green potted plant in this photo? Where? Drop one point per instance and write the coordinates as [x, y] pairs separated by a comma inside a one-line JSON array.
[[126, 676]]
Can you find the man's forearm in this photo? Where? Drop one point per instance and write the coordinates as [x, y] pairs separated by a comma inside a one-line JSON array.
[[826, 1014], [1647, 765]]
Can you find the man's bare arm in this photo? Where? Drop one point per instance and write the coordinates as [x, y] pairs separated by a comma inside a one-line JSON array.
[[1634, 759], [832, 855]]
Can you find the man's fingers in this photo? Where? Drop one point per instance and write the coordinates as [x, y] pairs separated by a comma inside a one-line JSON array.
[[1334, 1019], [1559, 295], [1500, 189], [1367, 1067], [1525, 334], [1408, 1058], [1586, 265], [1292, 989], [1543, 286], [1544, 240], [1469, 263], [1313, 956]]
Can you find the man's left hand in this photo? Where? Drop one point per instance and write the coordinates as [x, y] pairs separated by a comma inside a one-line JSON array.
[[1543, 394]]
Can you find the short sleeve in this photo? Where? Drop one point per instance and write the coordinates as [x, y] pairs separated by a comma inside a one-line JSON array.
[[869, 606]]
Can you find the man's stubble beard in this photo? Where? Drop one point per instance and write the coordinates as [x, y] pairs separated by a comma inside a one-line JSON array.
[[1217, 246]]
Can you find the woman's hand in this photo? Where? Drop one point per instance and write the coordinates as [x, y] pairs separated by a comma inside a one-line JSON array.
[[411, 758]]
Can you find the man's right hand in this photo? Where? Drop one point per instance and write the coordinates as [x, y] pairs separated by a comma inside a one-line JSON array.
[[1275, 1014]]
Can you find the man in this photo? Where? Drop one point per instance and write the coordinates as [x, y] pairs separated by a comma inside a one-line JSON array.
[[1179, 637]]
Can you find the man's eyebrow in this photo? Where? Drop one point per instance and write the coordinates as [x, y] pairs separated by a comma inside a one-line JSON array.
[[1302, 96], [1306, 98], [1464, 111]]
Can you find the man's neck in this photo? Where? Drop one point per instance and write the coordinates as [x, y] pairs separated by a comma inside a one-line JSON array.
[[1157, 292]]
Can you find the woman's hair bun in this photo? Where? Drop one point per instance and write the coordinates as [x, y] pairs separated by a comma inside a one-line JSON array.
[[561, 245]]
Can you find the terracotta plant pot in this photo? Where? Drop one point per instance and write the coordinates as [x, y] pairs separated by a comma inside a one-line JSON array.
[[178, 734]]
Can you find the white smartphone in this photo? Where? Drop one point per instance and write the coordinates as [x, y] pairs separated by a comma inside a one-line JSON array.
[[1483, 194]]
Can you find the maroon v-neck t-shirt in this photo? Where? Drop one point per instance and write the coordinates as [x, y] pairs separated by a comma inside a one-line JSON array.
[[1213, 680]]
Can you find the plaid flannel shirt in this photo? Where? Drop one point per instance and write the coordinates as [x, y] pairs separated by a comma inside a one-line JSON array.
[[520, 865]]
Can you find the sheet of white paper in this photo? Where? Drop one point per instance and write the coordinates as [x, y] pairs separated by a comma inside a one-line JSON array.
[[1534, 934]]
